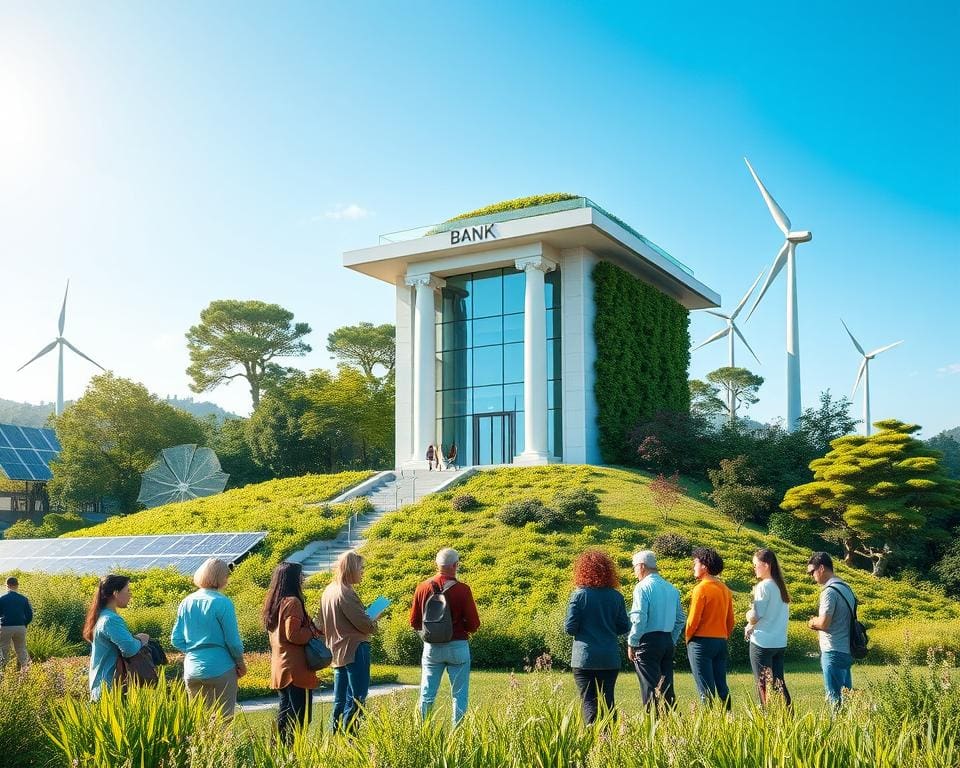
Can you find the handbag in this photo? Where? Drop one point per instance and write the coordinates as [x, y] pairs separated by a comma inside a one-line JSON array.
[[139, 669], [318, 655]]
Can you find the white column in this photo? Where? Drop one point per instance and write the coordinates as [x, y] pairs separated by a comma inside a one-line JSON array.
[[536, 450], [424, 365]]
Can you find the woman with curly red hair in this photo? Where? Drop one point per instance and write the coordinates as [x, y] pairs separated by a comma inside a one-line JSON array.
[[596, 617]]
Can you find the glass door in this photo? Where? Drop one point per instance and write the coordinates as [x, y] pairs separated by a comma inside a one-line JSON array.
[[493, 438]]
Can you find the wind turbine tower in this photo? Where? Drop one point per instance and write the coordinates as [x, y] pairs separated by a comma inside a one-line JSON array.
[[864, 374], [729, 332], [786, 257], [60, 342]]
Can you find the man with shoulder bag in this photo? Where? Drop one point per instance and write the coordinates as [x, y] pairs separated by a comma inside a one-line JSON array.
[[842, 637], [444, 614]]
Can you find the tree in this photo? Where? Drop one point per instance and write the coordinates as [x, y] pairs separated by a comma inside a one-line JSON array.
[[704, 399], [887, 490], [671, 442], [949, 448], [364, 345], [324, 422], [110, 436], [736, 493], [825, 424], [228, 439], [666, 493], [739, 385], [244, 334]]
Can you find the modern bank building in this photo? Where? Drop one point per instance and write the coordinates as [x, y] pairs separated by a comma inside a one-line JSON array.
[[534, 331]]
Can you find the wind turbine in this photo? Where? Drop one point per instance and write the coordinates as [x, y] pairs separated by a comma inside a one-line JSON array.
[[864, 374], [729, 332], [786, 256], [60, 342]]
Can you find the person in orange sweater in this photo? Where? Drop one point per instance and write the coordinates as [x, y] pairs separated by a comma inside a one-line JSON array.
[[709, 626]]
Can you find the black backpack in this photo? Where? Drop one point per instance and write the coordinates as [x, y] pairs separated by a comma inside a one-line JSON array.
[[858, 633], [437, 626]]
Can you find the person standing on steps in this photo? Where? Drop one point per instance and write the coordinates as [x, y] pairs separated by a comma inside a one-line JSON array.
[[833, 624], [766, 629], [16, 613], [709, 626], [431, 456], [656, 624], [444, 614]]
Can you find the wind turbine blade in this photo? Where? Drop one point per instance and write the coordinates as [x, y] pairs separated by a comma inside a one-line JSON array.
[[41, 353], [855, 342], [863, 367], [717, 314], [718, 335], [83, 355], [63, 309], [740, 335], [778, 264], [775, 210], [884, 349], [746, 296]]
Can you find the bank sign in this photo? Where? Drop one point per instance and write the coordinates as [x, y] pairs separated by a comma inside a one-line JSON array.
[[472, 234]]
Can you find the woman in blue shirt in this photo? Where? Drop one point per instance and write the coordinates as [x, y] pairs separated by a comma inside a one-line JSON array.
[[107, 633], [207, 633], [596, 617]]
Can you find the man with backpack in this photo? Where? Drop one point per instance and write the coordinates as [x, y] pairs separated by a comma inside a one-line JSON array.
[[841, 635], [444, 614]]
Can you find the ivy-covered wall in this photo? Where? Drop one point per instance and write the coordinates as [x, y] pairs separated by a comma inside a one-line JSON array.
[[643, 350]]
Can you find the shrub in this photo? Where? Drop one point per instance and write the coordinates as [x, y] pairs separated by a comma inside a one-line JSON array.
[[793, 529], [24, 698], [672, 545], [464, 502], [518, 513], [53, 525], [735, 492], [45, 642], [576, 503]]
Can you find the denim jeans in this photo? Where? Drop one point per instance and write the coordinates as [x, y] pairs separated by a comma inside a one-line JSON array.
[[708, 662], [295, 711], [454, 657], [350, 686], [836, 674]]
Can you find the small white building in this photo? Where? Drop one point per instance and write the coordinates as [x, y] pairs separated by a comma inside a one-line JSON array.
[[495, 328]]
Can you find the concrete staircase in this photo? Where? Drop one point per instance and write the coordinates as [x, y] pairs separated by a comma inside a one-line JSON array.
[[386, 492]]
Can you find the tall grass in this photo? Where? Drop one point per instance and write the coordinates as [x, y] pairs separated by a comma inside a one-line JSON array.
[[533, 725]]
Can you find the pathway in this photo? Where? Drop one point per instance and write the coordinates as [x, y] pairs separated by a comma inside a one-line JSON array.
[[262, 703]]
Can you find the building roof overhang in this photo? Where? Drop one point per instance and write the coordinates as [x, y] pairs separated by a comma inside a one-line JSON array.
[[445, 253]]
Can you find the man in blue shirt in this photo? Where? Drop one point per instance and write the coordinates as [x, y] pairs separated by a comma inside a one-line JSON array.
[[657, 621], [15, 614]]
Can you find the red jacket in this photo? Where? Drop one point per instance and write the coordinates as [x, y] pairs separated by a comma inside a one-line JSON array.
[[463, 609]]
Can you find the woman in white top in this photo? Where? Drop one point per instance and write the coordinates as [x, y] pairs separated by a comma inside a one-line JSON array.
[[766, 628]]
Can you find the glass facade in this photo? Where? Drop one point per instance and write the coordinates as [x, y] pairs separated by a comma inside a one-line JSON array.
[[480, 365]]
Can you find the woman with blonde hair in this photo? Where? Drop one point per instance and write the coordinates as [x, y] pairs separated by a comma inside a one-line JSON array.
[[206, 631], [347, 629]]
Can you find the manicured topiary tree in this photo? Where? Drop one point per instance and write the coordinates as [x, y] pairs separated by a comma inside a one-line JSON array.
[[885, 491]]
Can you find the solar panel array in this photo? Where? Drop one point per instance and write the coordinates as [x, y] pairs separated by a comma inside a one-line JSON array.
[[26, 452], [104, 554]]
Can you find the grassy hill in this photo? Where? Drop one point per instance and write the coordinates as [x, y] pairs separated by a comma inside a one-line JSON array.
[[521, 576]]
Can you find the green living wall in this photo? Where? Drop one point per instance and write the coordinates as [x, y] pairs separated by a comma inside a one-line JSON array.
[[643, 349]]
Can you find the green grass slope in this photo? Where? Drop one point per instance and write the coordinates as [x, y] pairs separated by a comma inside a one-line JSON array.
[[521, 576]]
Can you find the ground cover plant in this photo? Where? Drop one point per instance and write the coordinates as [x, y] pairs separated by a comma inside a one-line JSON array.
[[519, 570]]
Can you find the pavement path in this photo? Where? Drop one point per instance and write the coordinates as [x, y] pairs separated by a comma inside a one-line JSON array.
[[263, 703]]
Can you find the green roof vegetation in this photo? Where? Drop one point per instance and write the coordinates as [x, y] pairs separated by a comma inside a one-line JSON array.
[[516, 204]]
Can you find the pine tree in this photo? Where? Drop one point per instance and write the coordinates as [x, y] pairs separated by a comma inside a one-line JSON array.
[[882, 493]]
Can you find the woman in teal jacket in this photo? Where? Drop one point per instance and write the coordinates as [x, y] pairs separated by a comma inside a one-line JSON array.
[[207, 633], [107, 633]]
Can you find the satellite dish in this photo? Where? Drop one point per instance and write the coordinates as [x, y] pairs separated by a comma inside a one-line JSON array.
[[181, 473]]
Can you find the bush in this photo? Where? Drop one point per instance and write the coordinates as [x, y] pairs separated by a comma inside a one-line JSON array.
[[793, 529], [576, 503], [53, 525], [519, 513], [464, 502], [50, 642], [735, 492], [672, 545]]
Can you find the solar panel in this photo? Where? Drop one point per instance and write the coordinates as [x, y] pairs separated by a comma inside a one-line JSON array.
[[26, 452], [103, 554]]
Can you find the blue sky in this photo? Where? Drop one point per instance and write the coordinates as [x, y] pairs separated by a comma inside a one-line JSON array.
[[165, 155]]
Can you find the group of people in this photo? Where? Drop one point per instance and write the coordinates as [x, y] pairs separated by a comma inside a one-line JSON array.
[[440, 460], [597, 618], [444, 613]]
